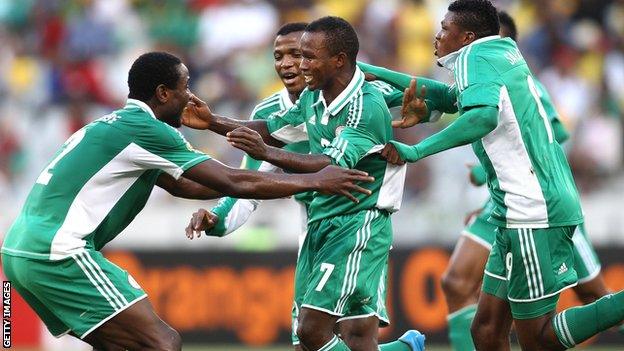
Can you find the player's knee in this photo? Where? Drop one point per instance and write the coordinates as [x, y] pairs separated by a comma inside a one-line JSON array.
[[487, 332], [455, 286], [168, 339], [311, 334]]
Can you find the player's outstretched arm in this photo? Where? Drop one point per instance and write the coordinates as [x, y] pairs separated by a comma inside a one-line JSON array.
[[252, 143], [186, 188], [469, 127], [197, 115], [440, 96], [260, 185]]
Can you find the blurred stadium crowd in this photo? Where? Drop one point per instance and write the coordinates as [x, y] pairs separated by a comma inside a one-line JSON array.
[[64, 63]]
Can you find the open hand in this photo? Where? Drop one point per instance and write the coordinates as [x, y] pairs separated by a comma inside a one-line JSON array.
[[249, 141], [201, 220], [196, 114], [414, 108], [341, 181]]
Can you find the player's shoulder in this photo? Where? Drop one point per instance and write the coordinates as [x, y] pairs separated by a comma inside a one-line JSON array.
[[373, 92], [267, 106]]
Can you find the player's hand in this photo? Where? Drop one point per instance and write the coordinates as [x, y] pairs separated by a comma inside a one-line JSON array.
[[201, 220], [369, 77], [196, 114], [471, 215], [414, 108], [471, 178], [391, 155], [249, 141], [341, 181]]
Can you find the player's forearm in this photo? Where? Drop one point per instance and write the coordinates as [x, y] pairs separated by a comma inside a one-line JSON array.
[[439, 96], [468, 128], [296, 162], [223, 125], [260, 185], [186, 188], [232, 214]]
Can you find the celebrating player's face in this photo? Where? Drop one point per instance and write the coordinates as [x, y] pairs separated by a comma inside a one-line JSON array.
[[287, 56], [178, 98], [450, 38], [317, 65]]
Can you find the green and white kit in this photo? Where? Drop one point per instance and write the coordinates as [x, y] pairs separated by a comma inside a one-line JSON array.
[[92, 189]]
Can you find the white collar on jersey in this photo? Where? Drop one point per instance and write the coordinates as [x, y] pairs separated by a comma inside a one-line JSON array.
[[285, 99], [345, 96], [449, 60], [140, 104]]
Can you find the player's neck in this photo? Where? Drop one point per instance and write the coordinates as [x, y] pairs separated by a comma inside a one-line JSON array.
[[338, 84]]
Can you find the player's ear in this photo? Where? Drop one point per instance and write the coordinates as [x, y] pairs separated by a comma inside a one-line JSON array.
[[469, 37], [162, 93], [341, 59]]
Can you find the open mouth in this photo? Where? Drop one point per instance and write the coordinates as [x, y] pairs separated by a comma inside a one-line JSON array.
[[289, 77], [307, 78]]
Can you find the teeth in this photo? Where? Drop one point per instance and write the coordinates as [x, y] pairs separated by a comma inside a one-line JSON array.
[[307, 79]]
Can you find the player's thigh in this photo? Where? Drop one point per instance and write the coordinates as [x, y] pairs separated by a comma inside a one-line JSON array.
[[586, 261], [467, 263], [493, 317], [17, 269], [540, 265], [135, 327], [359, 332], [350, 258], [537, 334]]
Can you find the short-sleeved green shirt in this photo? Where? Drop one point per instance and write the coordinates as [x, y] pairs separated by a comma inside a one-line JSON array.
[[528, 175], [97, 183], [351, 130]]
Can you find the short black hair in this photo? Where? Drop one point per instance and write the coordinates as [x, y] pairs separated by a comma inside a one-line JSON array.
[[478, 16], [149, 71], [339, 36], [291, 28], [509, 23]]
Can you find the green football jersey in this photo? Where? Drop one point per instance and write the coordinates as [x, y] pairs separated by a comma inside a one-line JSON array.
[[351, 131], [528, 175], [97, 183], [560, 136]]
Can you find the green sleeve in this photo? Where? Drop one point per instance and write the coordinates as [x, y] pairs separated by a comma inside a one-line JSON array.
[[561, 134], [439, 97], [471, 126], [221, 210]]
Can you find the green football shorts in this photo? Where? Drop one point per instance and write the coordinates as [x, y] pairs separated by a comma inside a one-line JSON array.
[[342, 265], [529, 268], [586, 261], [75, 295], [481, 231]]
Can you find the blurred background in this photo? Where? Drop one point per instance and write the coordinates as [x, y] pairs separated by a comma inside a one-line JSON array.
[[65, 63]]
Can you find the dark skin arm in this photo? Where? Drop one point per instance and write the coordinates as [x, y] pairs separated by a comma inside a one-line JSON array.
[[197, 115], [186, 188], [252, 143], [245, 184]]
